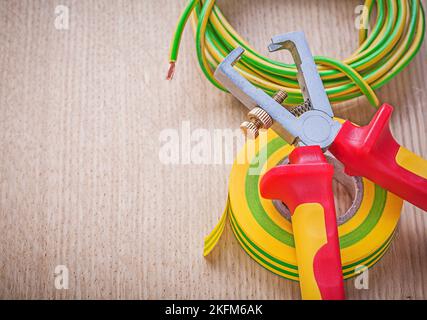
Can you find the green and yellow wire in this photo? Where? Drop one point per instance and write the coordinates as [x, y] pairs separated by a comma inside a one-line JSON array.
[[395, 38]]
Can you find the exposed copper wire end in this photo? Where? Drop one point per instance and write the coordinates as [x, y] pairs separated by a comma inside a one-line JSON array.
[[171, 71]]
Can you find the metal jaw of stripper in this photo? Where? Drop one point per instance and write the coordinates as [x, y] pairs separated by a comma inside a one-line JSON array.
[[315, 125]]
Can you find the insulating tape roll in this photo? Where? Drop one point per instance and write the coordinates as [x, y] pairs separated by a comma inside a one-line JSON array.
[[266, 235]]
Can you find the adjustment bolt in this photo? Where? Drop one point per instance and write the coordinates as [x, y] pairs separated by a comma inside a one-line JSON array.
[[259, 118], [280, 96], [249, 129]]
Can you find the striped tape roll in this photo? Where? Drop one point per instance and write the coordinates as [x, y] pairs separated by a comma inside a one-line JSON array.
[[266, 235]]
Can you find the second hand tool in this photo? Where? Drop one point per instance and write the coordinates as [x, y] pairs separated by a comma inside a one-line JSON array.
[[369, 151]]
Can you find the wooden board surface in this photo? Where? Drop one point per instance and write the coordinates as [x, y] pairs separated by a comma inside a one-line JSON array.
[[81, 184]]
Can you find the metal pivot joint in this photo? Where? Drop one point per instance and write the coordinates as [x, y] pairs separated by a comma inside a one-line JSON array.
[[309, 124]]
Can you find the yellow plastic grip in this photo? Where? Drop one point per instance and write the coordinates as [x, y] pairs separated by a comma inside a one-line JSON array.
[[308, 224], [412, 162]]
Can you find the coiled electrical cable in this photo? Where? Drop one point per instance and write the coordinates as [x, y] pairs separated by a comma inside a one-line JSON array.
[[396, 36]]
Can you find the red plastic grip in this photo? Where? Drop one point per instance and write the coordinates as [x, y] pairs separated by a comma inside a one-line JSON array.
[[308, 180], [371, 152]]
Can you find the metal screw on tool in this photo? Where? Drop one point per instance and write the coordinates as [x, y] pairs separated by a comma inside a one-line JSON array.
[[260, 119], [249, 129]]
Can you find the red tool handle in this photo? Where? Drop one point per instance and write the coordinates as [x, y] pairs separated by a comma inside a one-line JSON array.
[[305, 186], [372, 152]]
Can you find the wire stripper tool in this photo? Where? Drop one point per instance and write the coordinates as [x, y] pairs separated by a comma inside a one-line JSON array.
[[305, 184]]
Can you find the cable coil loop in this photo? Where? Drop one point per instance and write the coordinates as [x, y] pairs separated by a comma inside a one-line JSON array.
[[396, 36]]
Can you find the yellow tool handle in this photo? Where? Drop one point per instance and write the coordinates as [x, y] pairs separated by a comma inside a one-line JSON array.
[[318, 280], [412, 162], [305, 186]]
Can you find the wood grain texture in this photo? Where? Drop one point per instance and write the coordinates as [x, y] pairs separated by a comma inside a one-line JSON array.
[[80, 180]]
